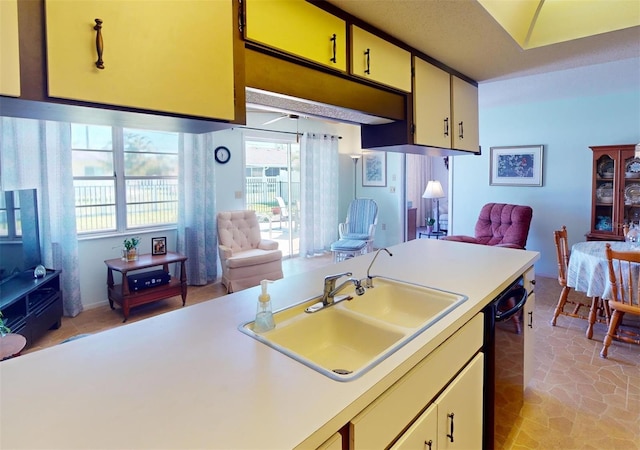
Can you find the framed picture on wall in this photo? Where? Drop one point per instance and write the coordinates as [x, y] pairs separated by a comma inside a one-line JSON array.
[[374, 169], [159, 246], [516, 166]]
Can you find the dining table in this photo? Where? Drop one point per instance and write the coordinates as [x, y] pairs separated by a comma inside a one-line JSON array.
[[588, 268]]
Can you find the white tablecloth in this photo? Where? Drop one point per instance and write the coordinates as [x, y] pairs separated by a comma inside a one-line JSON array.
[[588, 270]]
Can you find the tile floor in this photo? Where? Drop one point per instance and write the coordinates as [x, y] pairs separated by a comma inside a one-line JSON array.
[[576, 399]]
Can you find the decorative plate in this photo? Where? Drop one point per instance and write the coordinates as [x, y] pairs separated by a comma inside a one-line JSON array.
[[604, 193], [632, 169], [632, 193], [606, 168]]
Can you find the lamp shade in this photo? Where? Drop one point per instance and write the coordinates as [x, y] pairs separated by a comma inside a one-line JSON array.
[[355, 157], [433, 190]]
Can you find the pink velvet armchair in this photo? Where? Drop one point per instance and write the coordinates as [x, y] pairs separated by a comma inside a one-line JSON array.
[[500, 224]]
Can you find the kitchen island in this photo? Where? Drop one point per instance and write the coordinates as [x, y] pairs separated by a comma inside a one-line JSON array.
[[190, 379]]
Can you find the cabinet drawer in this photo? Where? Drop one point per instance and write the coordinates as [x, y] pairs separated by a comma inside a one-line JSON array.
[[382, 421]]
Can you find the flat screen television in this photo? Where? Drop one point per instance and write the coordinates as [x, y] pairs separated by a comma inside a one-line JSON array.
[[19, 233]]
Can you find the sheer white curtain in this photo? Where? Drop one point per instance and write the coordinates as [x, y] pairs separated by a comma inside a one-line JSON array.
[[197, 236], [319, 193], [37, 154], [418, 168]]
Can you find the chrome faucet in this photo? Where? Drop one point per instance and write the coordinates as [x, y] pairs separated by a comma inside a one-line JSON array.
[[330, 289], [369, 279]]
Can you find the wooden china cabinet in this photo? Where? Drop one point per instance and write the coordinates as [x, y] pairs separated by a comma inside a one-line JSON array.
[[616, 191]]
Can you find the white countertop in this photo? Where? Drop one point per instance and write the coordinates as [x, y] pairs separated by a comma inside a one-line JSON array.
[[190, 379]]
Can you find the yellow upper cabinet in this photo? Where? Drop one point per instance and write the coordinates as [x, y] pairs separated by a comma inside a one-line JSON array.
[[167, 56], [9, 52], [377, 60], [431, 105], [445, 109], [464, 112], [299, 28]]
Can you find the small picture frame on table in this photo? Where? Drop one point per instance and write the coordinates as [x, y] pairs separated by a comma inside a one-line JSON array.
[[159, 246]]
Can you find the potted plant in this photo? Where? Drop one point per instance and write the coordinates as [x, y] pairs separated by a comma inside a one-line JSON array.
[[4, 329], [430, 222], [130, 251]]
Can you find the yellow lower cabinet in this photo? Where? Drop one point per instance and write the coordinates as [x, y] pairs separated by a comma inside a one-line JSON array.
[[167, 56], [423, 434], [460, 409], [333, 443], [382, 422]]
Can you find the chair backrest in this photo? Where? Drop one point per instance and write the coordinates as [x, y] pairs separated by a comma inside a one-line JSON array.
[[363, 212], [624, 270], [562, 253], [503, 223], [284, 212], [238, 230]]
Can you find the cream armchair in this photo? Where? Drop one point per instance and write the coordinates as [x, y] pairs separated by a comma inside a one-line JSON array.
[[245, 257]]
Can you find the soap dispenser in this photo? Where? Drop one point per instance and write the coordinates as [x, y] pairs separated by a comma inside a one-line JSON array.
[[264, 315]]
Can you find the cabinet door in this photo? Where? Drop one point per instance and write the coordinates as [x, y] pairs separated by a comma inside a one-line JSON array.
[[299, 28], [464, 115], [377, 60], [9, 53], [168, 56], [423, 434], [431, 103], [629, 197], [529, 339], [605, 193], [460, 409], [529, 326]]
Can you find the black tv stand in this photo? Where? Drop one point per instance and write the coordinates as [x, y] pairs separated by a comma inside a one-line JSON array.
[[31, 306]]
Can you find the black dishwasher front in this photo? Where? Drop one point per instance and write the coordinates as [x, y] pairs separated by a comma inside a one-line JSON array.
[[504, 363]]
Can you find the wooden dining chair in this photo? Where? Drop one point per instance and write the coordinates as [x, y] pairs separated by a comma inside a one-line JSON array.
[[596, 307], [624, 270]]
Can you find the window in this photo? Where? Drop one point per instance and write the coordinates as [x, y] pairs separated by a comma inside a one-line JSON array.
[[10, 222], [124, 178]]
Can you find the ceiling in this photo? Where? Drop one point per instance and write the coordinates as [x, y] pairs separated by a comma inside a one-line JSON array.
[[465, 37]]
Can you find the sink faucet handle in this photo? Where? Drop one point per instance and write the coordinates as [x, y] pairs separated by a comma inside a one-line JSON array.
[[336, 276]]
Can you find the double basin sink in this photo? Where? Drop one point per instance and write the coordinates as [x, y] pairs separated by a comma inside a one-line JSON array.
[[346, 339]]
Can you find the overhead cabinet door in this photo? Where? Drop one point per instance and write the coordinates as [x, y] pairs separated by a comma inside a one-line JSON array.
[[168, 56], [298, 28], [9, 53], [431, 103], [377, 60], [464, 100]]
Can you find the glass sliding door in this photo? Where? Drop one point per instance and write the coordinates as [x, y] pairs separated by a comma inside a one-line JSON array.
[[272, 178]]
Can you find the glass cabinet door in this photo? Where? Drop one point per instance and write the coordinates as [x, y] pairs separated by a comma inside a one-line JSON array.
[[632, 190], [604, 191]]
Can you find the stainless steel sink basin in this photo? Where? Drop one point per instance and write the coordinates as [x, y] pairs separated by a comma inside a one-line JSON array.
[[347, 339]]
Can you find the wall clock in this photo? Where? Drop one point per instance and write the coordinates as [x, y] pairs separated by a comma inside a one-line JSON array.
[[222, 155]]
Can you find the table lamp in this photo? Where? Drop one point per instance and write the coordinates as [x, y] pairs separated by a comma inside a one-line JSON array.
[[355, 158], [434, 191]]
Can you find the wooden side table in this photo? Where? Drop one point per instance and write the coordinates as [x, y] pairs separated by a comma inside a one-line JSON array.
[[127, 299]]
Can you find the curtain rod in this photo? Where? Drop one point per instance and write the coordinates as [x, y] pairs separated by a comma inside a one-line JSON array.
[[297, 133]]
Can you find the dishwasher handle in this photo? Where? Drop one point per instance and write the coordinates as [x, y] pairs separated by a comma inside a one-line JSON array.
[[520, 295]]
